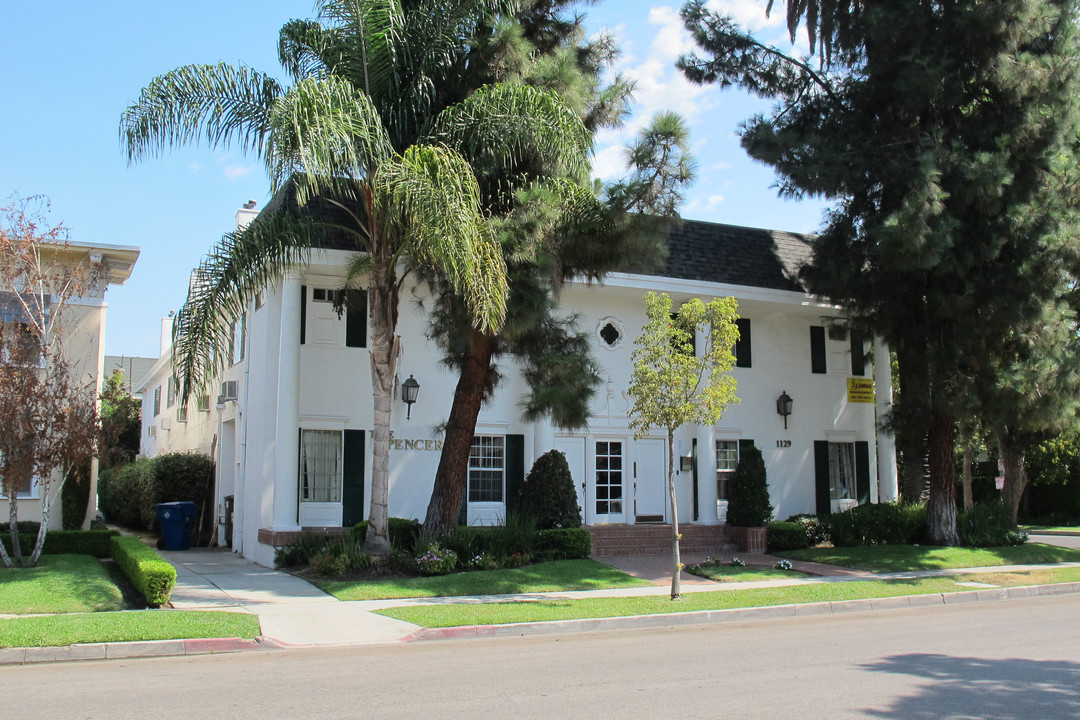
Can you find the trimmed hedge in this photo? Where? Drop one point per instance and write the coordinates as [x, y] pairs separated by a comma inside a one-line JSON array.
[[786, 536], [564, 543], [548, 494], [150, 573], [403, 532], [748, 491], [879, 524], [66, 542]]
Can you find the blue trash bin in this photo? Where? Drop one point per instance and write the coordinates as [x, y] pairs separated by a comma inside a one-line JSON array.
[[175, 519]]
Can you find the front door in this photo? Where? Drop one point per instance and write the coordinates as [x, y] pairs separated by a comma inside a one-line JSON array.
[[650, 480], [608, 497]]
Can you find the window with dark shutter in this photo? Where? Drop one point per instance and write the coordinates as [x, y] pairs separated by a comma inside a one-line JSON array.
[[817, 349], [743, 355]]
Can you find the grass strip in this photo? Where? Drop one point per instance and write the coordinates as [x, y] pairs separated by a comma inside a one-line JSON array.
[[901, 558], [59, 584], [736, 573], [555, 576], [439, 616], [1050, 528], [129, 626]]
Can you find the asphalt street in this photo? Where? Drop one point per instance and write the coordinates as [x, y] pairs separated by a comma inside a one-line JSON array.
[[1003, 659]]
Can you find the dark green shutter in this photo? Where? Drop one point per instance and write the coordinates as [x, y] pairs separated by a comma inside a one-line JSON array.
[[303, 313], [463, 516], [744, 445], [817, 349], [356, 319], [858, 355], [515, 469], [743, 354], [352, 479], [694, 475], [862, 472], [821, 477], [299, 474]]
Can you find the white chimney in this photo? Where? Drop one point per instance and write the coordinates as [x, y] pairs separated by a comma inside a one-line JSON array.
[[166, 333], [246, 214]]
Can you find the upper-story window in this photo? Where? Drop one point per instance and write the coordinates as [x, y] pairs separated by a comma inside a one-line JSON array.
[[321, 324], [743, 355]]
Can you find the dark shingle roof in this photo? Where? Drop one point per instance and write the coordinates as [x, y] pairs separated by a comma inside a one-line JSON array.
[[711, 252]]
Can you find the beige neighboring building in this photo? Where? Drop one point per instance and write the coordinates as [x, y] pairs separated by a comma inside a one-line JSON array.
[[83, 326]]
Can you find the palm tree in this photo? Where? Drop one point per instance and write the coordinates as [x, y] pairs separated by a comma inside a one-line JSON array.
[[365, 126]]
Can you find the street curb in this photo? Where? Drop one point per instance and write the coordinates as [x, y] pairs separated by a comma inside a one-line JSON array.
[[138, 649], [704, 617]]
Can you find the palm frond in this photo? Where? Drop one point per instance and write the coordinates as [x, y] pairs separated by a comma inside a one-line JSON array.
[[227, 279], [430, 197], [325, 128], [216, 103], [303, 48], [502, 125]]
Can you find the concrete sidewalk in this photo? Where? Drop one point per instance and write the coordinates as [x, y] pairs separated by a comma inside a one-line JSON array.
[[292, 612]]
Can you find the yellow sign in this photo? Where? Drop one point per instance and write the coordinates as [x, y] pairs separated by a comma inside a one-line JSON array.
[[860, 390]]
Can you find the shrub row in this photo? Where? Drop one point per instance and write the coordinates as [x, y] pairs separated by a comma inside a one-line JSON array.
[[65, 542], [128, 495], [986, 524], [878, 524], [150, 573]]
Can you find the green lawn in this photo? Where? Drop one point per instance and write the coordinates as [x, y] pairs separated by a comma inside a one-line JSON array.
[[543, 577], [736, 573], [899, 558], [58, 630], [436, 616], [1050, 528], [59, 584]]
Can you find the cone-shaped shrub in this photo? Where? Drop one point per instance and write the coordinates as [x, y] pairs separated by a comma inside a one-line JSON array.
[[748, 493]]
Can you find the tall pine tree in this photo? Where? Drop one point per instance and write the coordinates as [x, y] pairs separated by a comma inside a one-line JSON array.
[[934, 126]]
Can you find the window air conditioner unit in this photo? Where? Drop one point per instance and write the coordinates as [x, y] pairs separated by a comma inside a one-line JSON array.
[[228, 390], [152, 430], [166, 423]]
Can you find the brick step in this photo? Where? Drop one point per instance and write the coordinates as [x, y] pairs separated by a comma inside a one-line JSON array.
[[656, 539]]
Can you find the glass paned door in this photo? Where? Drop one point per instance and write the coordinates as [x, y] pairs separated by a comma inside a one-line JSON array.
[[609, 481]]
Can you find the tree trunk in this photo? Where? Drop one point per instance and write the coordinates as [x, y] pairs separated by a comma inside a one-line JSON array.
[[382, 301], [941, 507], [910, 423], [43, 529], [1012, 457], [450, 478], [969, 451], [676, 558], [15, 559]]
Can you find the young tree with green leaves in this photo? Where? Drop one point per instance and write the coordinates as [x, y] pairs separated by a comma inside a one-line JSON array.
[[936, 128], [674, 383], [366, 125]]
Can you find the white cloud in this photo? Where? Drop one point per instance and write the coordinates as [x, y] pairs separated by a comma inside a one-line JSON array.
[[750, 14], [720, 166], [715, 200], [609, 163], [234, 172], [193, 167]]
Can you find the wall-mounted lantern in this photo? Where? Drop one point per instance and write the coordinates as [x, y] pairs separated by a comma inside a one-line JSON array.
[[783, 406], [409, 390]]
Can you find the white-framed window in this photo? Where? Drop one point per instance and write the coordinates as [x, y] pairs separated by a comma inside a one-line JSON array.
[[320, 465], [171, 397], [237, 338], [727, 459], [157, 401], [323, 295], [22, 316], [29, 490], [487, 468], [181, 414], [202, 403], [842, 471]]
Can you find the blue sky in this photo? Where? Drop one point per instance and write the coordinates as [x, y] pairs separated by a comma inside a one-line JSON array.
[[72, 67]]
